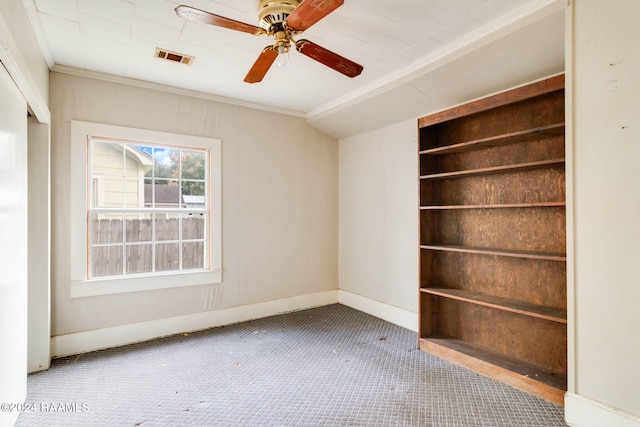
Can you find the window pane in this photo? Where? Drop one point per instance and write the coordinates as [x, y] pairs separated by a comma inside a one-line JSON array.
[[193, 165], [193, 227], [139, 228], [110, 192], [166, 163], [165, 193], [139, 258], [106, 228], [106, 260], [135, 193], [167, 256], [138, 161], [167, 227], [193, 255], [193, 193], [107, 158]]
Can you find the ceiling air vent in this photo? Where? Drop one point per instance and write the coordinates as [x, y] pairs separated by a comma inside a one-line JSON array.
[[174, 56]]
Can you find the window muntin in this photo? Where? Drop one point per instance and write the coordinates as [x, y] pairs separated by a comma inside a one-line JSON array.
[[149, 208]]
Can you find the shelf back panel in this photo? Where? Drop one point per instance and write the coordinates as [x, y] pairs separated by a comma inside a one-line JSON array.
[[519, 229], [544, 343], [514, 187], [528, 280], [527, 114], [522, 152]]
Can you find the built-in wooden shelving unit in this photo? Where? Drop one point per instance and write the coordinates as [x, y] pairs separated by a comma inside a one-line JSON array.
[[493, 237]]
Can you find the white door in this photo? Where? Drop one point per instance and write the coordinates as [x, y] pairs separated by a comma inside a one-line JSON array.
[[13, 247]]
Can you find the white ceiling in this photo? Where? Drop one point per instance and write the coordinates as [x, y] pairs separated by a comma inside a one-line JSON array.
[[404, 46]]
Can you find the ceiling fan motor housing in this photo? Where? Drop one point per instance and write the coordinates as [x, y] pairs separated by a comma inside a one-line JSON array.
[[272, 13]]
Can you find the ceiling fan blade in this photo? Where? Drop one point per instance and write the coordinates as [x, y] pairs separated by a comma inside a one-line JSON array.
[[328, 58], [193, 14], [262, 65], [309, 12]]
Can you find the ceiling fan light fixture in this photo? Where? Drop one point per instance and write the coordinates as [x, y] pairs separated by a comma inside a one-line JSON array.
[[283, 56], [282, 45]]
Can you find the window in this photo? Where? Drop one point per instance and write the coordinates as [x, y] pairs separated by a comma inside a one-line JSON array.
[[150, 208], [140, 222]]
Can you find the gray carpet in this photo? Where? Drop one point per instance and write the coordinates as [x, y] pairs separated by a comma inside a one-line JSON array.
[[328, 366]]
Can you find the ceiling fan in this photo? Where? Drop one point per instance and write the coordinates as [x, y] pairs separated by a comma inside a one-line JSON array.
[[282, 19]]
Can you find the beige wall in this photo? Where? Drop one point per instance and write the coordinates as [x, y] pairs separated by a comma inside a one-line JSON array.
[[606, 163], [279, 186], [379, 215]]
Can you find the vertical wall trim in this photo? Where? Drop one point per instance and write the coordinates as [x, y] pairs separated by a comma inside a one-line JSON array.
[[39, 251], [570, 198]]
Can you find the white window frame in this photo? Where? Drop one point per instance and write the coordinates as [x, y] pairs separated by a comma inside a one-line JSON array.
[[80, 184]]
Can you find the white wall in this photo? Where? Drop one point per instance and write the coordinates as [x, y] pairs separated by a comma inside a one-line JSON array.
[[13, 247], [606, 163], [379, 218], [280, 204]]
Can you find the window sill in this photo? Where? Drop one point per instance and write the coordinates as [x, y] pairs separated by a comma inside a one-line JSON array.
[[120, 285]]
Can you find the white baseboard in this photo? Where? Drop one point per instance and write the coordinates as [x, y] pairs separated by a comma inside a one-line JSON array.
[[83, 342], [584, 412], [399, 316]]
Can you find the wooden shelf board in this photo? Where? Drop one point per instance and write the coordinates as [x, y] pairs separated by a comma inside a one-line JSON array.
[[555, 129], [523, 375], [496, 206], [496, 169], [499, 252], [527, 309]]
